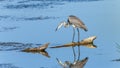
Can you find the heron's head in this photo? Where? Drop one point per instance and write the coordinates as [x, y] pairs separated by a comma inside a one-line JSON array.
[[62, 24]]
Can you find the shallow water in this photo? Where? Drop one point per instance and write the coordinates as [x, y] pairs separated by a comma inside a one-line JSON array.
[[30, 23]]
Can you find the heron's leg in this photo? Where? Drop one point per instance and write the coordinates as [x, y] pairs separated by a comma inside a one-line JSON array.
[[73, 35], [72, 46], [78, 42]]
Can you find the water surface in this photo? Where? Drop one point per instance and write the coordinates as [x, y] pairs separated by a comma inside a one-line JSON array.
[[30, 23]]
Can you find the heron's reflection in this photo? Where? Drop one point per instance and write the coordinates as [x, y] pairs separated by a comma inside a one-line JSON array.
[[88, 42], [75, 64], [40, 50]]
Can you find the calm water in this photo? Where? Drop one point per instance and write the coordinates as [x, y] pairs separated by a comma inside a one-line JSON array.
[[30, 23]]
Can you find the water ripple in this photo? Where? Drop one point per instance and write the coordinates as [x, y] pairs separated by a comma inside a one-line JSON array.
[[8, 65], [117, 60], [10, 46], [3, 29], [40, 18], [4, 17], [31, 5], [41, 4], [57, 0]]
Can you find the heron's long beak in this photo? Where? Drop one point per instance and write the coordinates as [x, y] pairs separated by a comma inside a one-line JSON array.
[[56, 29]]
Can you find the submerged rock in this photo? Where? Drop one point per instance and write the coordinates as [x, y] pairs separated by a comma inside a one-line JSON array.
[[41, 48], [88, 42]]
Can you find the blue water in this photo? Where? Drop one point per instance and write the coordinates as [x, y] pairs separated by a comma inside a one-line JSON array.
[[32, 23]]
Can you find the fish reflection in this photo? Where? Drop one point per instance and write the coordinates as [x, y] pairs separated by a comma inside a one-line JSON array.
[[88, 42], [40, 50], [75, 64]]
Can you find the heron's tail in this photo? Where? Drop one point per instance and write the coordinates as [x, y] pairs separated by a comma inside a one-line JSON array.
[[85, 28]]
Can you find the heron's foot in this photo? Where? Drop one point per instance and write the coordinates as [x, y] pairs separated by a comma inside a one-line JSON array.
[[73, 42], [78, 43]]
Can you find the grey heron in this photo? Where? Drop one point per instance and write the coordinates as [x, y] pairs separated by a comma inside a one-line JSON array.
[[76, 23]]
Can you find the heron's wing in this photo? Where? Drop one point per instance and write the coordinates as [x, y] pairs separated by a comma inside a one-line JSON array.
[[60, 25], [77, 22], [75, 19]]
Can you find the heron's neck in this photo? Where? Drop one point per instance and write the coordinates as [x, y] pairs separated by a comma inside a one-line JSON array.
[[66, 24]]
